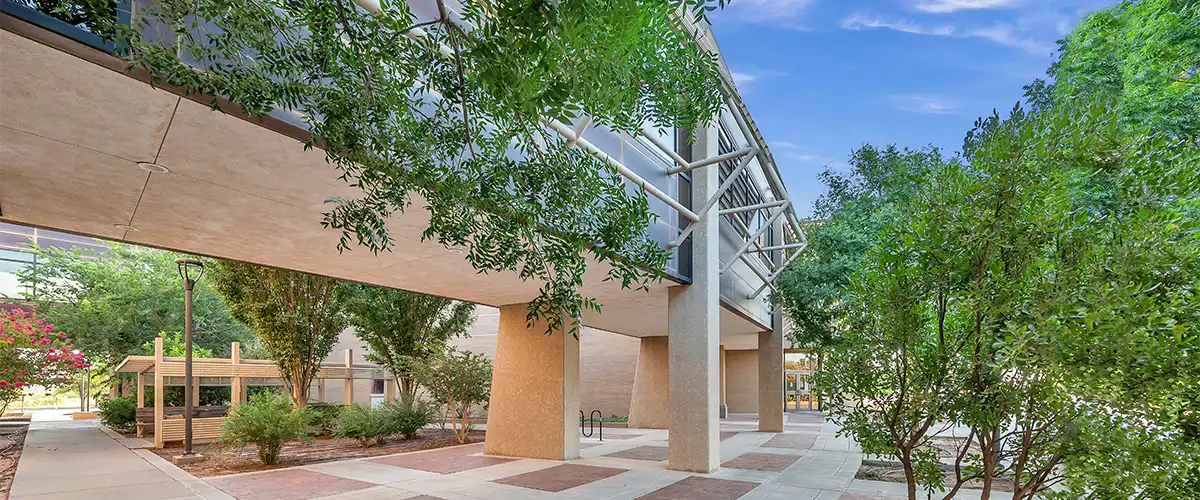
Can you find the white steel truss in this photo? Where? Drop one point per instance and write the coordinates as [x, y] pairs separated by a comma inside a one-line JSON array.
[[779, 206]]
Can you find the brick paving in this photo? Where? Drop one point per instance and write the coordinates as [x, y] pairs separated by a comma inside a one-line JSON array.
[[649, 453], [444, 461], [561, 477], [791, 441], [768, 462], [286, 484], [701, 488]]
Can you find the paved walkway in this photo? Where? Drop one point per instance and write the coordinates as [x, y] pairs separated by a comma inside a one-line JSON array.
[[68, 460]]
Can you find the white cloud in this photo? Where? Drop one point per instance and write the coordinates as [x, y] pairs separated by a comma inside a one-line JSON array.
[[947, 6], [999, 33], [792, 151], [924, 104], [860, 21], [741, 78]]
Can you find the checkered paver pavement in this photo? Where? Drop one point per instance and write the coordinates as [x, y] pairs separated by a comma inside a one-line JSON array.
[[561, 477], [444, 461], [805, 464], [702, 488], [648, 453], [286, 484], [768, 462]]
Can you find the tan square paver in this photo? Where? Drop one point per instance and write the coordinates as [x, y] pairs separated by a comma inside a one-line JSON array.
[[286, 484], [650, 453], [701, 488], [446, 461], [791, 441], [768, 462], [560, 477]]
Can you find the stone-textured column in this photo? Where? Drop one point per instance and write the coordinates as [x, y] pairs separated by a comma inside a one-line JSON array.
[[650, 401], [724, 408], [771, 398], [534, 407], [321, 390], [694, 328], [389, 390]]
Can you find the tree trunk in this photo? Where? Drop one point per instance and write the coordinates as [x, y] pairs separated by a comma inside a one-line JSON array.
[[909, 475]]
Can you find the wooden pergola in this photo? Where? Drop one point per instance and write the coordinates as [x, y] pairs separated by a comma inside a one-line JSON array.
[[238, 371]]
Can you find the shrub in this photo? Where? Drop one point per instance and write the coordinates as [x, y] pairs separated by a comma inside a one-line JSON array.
[[325, 417], [460, 380], [118, 413], [367, 425], [267, 421], [409, 415]]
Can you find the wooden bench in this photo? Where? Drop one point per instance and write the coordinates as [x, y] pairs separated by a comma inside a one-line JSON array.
[[144, 417]]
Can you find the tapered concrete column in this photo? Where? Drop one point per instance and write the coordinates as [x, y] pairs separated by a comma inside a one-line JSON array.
[[534, 407], [770, 358], [723, 411], [650, 401], [693, 326]]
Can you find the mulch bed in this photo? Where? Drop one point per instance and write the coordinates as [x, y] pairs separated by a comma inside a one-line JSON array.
[[220, 460], [12, 440]]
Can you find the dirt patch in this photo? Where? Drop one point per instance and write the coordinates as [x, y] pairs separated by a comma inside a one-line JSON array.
[[894, 473], [220, 460], [12, 440]]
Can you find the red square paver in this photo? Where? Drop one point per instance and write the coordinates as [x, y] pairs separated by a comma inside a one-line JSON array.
[[791, 441], [446, 461], [768, 462], [701, 488], [560, 477], [286, 484], [650, 453]]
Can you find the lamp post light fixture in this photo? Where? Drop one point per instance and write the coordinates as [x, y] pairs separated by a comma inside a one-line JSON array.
[[190, 270]]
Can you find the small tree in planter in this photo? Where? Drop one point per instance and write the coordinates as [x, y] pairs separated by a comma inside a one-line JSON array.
[[268, 420], [462, 380], [32, 353]]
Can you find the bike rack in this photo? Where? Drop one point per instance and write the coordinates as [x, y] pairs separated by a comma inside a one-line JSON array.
[[595, 416]]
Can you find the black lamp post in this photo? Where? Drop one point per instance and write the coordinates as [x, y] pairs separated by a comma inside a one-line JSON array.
[[188, 267]]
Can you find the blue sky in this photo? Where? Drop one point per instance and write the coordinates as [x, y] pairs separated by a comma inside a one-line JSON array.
[[822, 77]]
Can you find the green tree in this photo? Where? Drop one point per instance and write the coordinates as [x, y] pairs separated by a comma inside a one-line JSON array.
[[400, 326], [174, 346], [297, 316], [448, 112], [460, 380], [115, 302]]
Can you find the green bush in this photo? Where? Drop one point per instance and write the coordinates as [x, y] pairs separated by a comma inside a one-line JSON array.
[[118, 413], [367, 425], [325, 417], [409, 415], [267, 421]]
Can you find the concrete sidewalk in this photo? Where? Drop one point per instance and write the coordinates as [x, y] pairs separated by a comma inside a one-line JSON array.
[[76, 460]]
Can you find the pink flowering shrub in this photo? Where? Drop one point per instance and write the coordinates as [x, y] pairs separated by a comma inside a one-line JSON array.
[[33, 354]]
